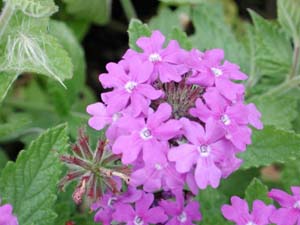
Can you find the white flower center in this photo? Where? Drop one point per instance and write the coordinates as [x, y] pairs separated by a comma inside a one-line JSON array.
[[182, 217], [130, 85], [145, 133], [297, 204], [225, 119], [158, 166], [138, 220], [204, 150], [154, 57], [217, 72], [251, 223], [116, 116], [111, 201]]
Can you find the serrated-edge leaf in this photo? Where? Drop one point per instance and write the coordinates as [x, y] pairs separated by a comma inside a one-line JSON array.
[[136, 30], [257, 190], [29, 184], [271, 145], [274, 51]]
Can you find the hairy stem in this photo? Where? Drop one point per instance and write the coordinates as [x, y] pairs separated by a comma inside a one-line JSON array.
[[5, 16], [128, 9], [295, 67]]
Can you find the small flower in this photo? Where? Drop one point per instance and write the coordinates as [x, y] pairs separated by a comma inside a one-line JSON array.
[[204, 150], [238, 212], [148, 136], [181, 213], [289, 213], [93, 170], [164, 60], [6, 215], [142, 214]]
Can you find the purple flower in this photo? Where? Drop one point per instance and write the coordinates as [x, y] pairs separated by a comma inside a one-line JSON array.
[[146, 136], [164, 60], [234, 118], [238, 212], [141, 214], [204, 149], [6, 216], [180, 213], [289, 213], [131, 88], [212, 73], [157, 173]]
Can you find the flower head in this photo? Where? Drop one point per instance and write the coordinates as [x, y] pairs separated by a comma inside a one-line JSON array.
[[238, 212], [6, 215], [289, 213], [93, 170]]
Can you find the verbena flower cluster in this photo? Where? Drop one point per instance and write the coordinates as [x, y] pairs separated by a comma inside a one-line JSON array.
[[176, 117], [6, 215], [287, 214]]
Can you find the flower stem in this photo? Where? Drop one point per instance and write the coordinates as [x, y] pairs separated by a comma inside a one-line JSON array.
[[128, 9], [296, 59], [5, 16]]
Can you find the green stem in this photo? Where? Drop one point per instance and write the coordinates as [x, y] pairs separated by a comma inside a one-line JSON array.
[[285, 86], [128, 9], [5, 16], [296, 59]]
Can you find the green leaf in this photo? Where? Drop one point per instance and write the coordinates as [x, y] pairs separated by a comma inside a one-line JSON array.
[[289, 17], [27, 46], [237, 182], [90, 10], [271, 145], [13, 125], [28, 50], [182, 2], [29, 184], [136, 30], [257, 190], [166, 19], [63, 99], [3, 159], [181, 37], [274, 55], [35, 8], [6, 80], [211, 201], [211, 31], [275, 110], [290, 174]]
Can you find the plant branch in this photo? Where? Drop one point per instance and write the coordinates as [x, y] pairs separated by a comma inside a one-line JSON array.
[[128, 9], [296, 59]]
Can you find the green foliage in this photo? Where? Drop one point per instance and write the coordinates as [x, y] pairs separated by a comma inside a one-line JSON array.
[[3, 159], [290, 174], [137, 29], [289, 17], [90, 10], [275, 110], [6, 80], [274, 51], [182, 2], [29, 184], [26, 45], [211, 201], [213, 32], [271, 145], [257, 190]]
